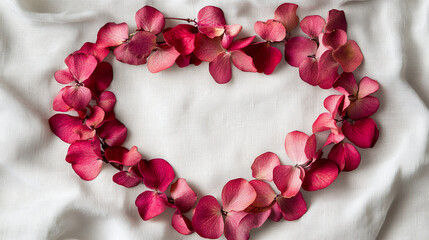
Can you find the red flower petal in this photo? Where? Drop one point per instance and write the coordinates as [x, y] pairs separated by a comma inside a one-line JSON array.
[[232, 221], [182, 37], [184, 197], [123, 156], [286, 14], [276, 213], [231, 31], [181, 223], [288, 180], [262, 167], [265, 196], [363, 108], [128, 179], [363, 133], [96, 118], [367, 86], [107, 101], [310, 147], [249, 222], [207, 220], [207, 49], [334, 137], [123, 54], [101, 78], [345, 156], [295, 143], [328, 70], [320, 175], [70, 129], [142, 44], [85, 157], [242, 61], [309, 71], [150, 19], [323, 123], [77, 97], [241, 43], [59, 104], [113, 133], [346, 84], [348, 56], [162, 59], [333, 104], [220, 68], [237, 195], [81, 65], [100, 53], [211, 16], [150, 204], [157, 174], [312, 25], [335, 39], [63, 76], [112, 34], [265, 57], [292, 208], [336, 20], [212, 31], [298, 49], [270, 31]]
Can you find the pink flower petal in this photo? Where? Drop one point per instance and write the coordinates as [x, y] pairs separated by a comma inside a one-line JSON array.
[[265, 57], [100, 53], [237, 195], [345, 156], [123, 54], [212, 31], [106, 101], [85, 157], [112, 34], [328, 70], [262, 167], [96, 118], [150, 204], [142, 44], [241, 43], [64, 76], [123, 156], [335, 39], [128, 179], [162, 59], [286, 14], [182, 37], [309, 71], [348, 56], [298, 49], [333, 104], [220, 68], [231, 31], [270, 31], [211, 15], [346, 84], [310, 147], [113, 133], [81, 65], [323, 123], [181, 223], [312, 25], [320, 175], [292, 208], [249, 222], [295, 143], [207, 220], [100, 79], [265, 196], [157, 174], [276, 213], [363, 133], [334, 137], [77, 97], [367, 86], [207, 49], [59, 104], [363, 108], [288, 180], [242, 61], [184, 197], [336, 20], [150, 19], [70, 129], [232, 221]]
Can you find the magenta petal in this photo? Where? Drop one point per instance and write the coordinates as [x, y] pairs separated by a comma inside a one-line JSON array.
[[265, 195], [113, 133], [334, 137], [333, 104], [101, 78], [345, 156], [310, 147], [184, 197], [346, 84], [99, 52], [123, 156], [181, 223], [276, 213], [336, 20], [262, 167], [288, 180], [242, 61], [270, 31], [142, 44], [70, 129], [157, 174], [309, 71], [231, 31], [286, 14], [241, 43], [212, 31], [112, 34], [295, 143], [249, 222], [59, 104], [237, 195], [335, 39], [367, 86], [128, 179], [77, 97], [348, 56], [211, 15], [123, 54], [85, 157], [328, 70], [265, 57], [63, 76], [323, 123], [320, 175], [107, 101], [220, 68], [96, 118], [150, 204], [232, 221], [207, 220], [312, 25], [298, 49], [363, 108], [207, 49], [81, 65], [164, 57], [182, 37], [292, 208], [149, 19], [363, 133]]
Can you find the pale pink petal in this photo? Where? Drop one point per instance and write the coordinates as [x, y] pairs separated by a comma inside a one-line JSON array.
[[112, 34], [128, 179], [99, 52], [59, 104], [265, 57], [249, 222], [96, 118], [211, 15], [348, 56], [157, 174], [363, 108], [207, 49], [242, 61], [335, 39], [312, 25], [336, 20], [164, 57], [287, 179], [232, 221], [70, 129], [220, 68], [85, 157], [237, 195], [207, 220], [367, 86], [309, 70], [265, 196], [345, 156], [270, 30], [81, 65], [100, 79], [107, 101], [320, 175], [150, 19], [363, 133], [184, 197], [64, 76], [181, 37], [212, 31], [346, 84], [77, 97], [113, 133], [241, 43], [262, 167], [292, 208], [181, 223], [323, 123], [286, 14], [276, 213], [333, 104], [298, 49], [328, 70], [295, 143], [150, 204]]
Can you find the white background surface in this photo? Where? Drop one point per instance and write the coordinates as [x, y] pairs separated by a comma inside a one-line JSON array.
[[210, 133]]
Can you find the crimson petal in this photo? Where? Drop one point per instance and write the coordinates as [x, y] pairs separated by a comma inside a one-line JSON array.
[[113, 133], [335, 39], [184, 197], [237, 195], [345, 156], [292, 208], [220, 68], [363, 108], [349, 56], [207, 49], [86, 159], [346, 84], [286, 14], [150, 204], [298, 49], [150, 19], [163, 58], [276, 213], [123, 54], [181, 223], [242, 61], [207, 220], [312, 25], [70, 129], [96, 118], [128, 179], [321, 174], [107, 101], [328, 70], [157, 174], [288, 180], [182, 37], [77, 97], [336, 20], [270, 30], [123, 156], [101, 78], [265, 196], [63, 76], [333, 104], [265, 57], [363, 133], [262, 167], [309, 70], [59, 105], [81, 65], [211, 15], [249, 222], [99, 52], [112, 34], [232, 221]]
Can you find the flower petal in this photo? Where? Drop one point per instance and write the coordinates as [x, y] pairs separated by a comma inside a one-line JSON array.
[[298, 49], [295, 143], [113, 133], [70, 129], [112, 34], [59, 105], [150, 204], [99, 52], [292, 208], [336, 20], [181, 223], [323, 123], [231, 31], [335, 39], [346, 84], [182, 37], [265, 57], [241, 43], [232, 221], [207, 220], [128, 179], [249, 222], [86, 159], [242, 61], [286, 14], [270, 30], [107, 101], [150, 19], [276, 213], [367, 86], [211, 15], [309, 71], [348, 56], [310, 147], [123, 156], [96, 118], [212, 31], [81, 65], [157, 174], [320, 175], [328, 70], [164, 57], [184, 197], [237, 195], [64, 76], [265, 196], [333, 104], [220, 68], [363, 108], [77, 97], [345, 156], [312, 25], [262, 167], [363, 133], [207, 49], [288, 180], [100, 79], [123, 54]]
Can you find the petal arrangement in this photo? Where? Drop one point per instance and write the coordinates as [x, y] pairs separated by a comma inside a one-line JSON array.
[[325, 58]]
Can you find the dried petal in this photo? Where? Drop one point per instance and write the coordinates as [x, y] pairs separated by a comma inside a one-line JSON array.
[[309, 71], [363, 133], [112, 34], [262, 167], [292, 208], [182, 37], [232, 221], [85, 157], [367, 86], [150, 19], [270, 30], [220, 68], [363, 108], [242, 61], [241, 43], [70, 129], [295, 143], [184, 197], [207, 49], [181, 223], [265, 57], [113, 133], [237, 195], [100, 79], [163, 58], [335, 39], [64, 76], [265, 195], [249, 222], [96, 118], [150, 204], [207, 220], [312, 25], [320, 175], [77, 97], [81, 65], [107, 101], [128, 179], [345, 156], [123, 156], [288, 180], [286, 14], [348, 56], [211, 15], [276, 213], [99, 52], [298, 49], [157, 174], [336, 20]]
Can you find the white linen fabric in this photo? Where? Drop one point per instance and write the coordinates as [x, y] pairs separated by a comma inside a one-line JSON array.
[[210, 133]]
